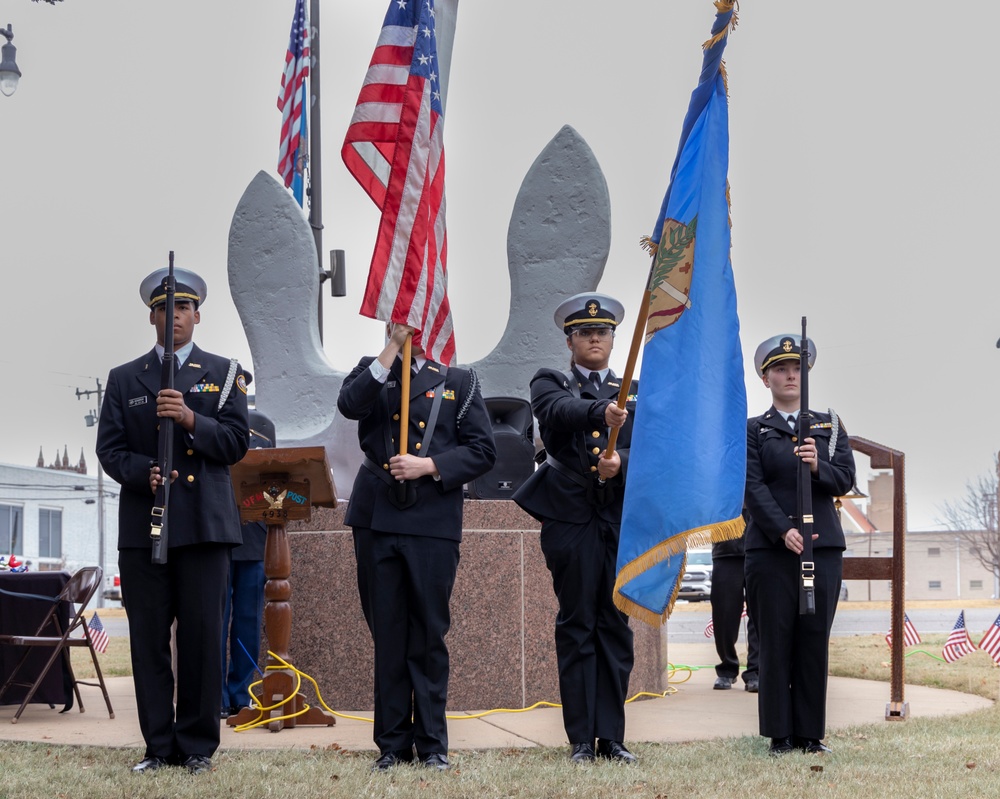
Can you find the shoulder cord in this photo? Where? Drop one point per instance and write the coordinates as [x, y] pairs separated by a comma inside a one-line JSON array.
[[470, 395], [230, 378], [835, 431]]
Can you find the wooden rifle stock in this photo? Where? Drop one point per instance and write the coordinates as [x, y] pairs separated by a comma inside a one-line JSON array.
[[807, 590], [158, 530]]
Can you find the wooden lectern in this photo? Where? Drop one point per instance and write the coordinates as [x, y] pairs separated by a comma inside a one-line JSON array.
[[276, 486]]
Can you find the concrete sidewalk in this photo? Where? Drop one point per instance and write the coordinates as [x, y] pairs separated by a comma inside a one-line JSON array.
[[693, 711]]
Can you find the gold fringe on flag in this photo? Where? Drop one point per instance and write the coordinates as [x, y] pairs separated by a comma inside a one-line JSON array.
[[699, 536], [722, 7]]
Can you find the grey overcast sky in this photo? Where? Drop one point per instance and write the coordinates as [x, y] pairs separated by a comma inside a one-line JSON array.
[[864, 168]]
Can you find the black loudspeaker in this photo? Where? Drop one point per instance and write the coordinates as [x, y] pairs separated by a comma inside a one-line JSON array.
[[513, 430]]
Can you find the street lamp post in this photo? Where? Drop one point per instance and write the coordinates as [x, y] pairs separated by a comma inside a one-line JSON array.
[[9, 73], [91, 420]]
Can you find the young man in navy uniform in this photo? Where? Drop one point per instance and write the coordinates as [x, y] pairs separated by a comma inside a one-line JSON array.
[[406, 511], [209, 407], [577, 495]]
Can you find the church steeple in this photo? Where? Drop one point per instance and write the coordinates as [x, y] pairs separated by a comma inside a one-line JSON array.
[[41, 460]]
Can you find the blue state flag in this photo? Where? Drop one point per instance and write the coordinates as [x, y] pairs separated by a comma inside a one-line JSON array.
[[687, 463]]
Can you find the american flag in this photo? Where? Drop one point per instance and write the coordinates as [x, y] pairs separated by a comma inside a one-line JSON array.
[[910, 635], [290, 96], [394, 148], [710, 627], [97, 634], [958, 643], [991, 641]]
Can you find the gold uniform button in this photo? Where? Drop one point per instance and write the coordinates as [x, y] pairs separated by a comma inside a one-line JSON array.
[[593, 468], [795, 438], [421, 425], [190, 478], [190, 452], [395, 417], [596, 450], [418, 445], [596, 434], [385, 466]]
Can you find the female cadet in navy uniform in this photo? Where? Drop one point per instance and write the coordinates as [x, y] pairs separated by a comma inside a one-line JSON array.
[[794, 648], [581, 521], [203, 524], [407, 547]]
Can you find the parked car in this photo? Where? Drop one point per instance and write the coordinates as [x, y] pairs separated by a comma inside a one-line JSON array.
[[696, 584], [113, 587]]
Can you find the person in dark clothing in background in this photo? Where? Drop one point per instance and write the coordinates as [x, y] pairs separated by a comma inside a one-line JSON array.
[[243, 615], [728, 598]]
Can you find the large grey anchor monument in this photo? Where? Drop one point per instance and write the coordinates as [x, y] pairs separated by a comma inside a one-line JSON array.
[[501, 642]]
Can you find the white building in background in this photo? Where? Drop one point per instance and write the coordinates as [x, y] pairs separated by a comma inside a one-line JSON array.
[[49, 517]]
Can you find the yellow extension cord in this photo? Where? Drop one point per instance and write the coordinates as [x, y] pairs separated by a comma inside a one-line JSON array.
[[263, 718]]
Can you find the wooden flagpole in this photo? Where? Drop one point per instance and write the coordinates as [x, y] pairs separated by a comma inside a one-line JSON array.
[[404, 404], [633, 356]]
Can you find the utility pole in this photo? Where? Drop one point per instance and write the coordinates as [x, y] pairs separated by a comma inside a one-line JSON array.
[[91, 420]]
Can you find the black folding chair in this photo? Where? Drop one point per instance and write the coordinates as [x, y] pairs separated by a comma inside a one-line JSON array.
[[78, 591]]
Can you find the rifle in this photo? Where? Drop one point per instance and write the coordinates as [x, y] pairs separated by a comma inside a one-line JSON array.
[[165, 446], [807, 590]]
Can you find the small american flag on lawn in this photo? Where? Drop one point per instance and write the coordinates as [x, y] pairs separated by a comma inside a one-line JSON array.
[[910, 635], [991, 641], [97, 634], [958, 644], [394, 148], [710, 627]]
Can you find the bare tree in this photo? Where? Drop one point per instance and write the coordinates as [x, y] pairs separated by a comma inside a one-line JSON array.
[[974, 518]]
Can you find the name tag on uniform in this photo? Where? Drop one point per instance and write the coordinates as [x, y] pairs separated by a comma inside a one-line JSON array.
[[136, 401], [203, 388]]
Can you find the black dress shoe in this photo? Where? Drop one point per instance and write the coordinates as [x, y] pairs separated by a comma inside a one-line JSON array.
[[780, 746], [435, 760], [393, 757], [197, 764], [614, 750], [150, 763], [723, 683], [812, 746], [752, 685], [582, 753]]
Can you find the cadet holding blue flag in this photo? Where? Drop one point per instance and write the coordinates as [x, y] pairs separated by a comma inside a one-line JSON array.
[[577, 495]]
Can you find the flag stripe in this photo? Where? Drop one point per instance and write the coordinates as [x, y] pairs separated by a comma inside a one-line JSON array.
[[394, 149]]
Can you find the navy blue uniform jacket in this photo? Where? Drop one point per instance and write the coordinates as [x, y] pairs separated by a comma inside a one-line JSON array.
[[461, 452], [565, 423], [771, 490], [202, 504]]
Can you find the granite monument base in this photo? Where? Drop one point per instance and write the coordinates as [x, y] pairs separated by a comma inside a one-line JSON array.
[[501, 641]]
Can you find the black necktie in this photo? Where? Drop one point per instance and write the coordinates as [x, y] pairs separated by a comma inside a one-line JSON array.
[[595, 378], [793, 422]]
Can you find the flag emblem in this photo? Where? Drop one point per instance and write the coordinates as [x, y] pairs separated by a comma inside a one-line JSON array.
[[673, 270]]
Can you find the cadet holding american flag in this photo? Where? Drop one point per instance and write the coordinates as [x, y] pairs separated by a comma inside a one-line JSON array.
[[424, 434]]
